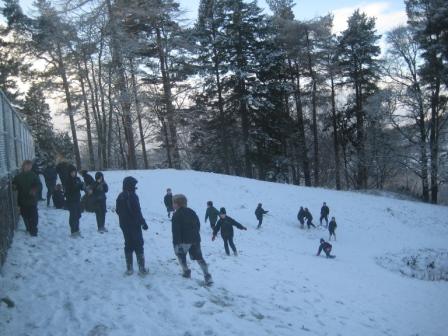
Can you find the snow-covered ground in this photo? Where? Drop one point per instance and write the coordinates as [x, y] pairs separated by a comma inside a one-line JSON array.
[[276, 286]]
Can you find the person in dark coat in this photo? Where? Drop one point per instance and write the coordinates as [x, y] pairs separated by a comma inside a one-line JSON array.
[[301, 217], [168, 201], [62, 170], [332, 228], [88, 201], [100, 189], [73, 200], [324, 212], [131, 223], [88, 179], [225, 224], [58, 197], [37, 169], [326, 247], [212, 214], [259, 213], [27, 184], [309, 218], [185, 227], [51, 176]]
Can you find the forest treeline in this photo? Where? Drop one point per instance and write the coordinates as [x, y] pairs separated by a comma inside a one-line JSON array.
[[239, 92]]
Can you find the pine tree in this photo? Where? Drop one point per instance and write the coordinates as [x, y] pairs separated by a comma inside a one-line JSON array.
[[358, 52]]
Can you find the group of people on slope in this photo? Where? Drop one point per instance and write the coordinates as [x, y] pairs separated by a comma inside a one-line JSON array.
[[305, 214], [66, 195]]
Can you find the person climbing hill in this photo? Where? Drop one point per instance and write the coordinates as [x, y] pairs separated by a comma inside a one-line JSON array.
[[225, 224]]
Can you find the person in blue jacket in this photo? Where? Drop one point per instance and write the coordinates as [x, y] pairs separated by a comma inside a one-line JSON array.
[[131, 224]]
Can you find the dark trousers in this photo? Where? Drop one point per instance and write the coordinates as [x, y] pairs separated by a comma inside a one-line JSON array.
[[229, 241], [260, 221], [30, 218], [309, 222], [133, 240], [100, 217], [75, 214], [212, 224], [324, 217], [50, 190]]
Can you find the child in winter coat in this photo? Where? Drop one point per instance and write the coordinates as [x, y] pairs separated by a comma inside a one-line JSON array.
[[309, 219], [324, 212], [259, 212], [58, 197], [225, 224], [168, 201], [73, 200], [185, 228], [131, 224], [27, 185], [100, 188], [326, 247], [88, 179], [301, 217], [87, 200], [212, 214], [332, 227]]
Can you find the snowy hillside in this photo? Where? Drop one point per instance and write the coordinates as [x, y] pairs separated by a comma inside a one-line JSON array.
[[276, 286]]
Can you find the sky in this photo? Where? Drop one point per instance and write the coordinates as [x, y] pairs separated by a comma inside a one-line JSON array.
[[389, 13]]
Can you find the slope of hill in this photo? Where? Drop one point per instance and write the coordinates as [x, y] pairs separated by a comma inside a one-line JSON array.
[[276, 286]]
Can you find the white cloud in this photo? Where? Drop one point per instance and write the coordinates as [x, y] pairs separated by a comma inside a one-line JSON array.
[[386, 18]]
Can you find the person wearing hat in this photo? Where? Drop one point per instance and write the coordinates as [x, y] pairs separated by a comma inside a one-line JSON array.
[[88, 179], [212, 214], [73, 200], [225, 224], [100, 188], [259, 212], [324, 212], [326, 247], [332, 227], [27, 184], [168, 201], [185, 227], [131, 223]]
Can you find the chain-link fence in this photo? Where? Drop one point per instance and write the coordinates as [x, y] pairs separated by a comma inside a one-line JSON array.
[[16, 145]]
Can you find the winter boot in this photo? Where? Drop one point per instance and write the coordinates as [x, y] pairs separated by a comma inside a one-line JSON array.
[[129, 263], [142, 270], [186, 272], [207, 276]]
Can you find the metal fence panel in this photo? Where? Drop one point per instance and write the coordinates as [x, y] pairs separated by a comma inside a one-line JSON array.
[[16, 145]]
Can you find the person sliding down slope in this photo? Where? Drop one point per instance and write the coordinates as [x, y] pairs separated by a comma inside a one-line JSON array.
[[225, 225], [131, 223], [185, 227], [326, 247], [259, 212]]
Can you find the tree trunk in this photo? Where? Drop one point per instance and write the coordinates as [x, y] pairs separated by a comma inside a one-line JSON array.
[[174, 160], [301, 127], [434, 142], [110, 116], [337, 162], [68, 99], [139, 114], [88, 124], [117, 61]]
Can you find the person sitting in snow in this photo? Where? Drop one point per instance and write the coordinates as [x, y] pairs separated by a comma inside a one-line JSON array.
[[309, 219], [332, 227], [259, 213], [326, 247], [225, 224], [301, 217], [100, 188], [131, 224], [168, 200], [324, 212], [58, 197], [185, 227], [73, 200], [212, 214]]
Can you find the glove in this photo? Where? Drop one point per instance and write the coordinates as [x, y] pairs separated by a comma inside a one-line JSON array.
[[145, 226]]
